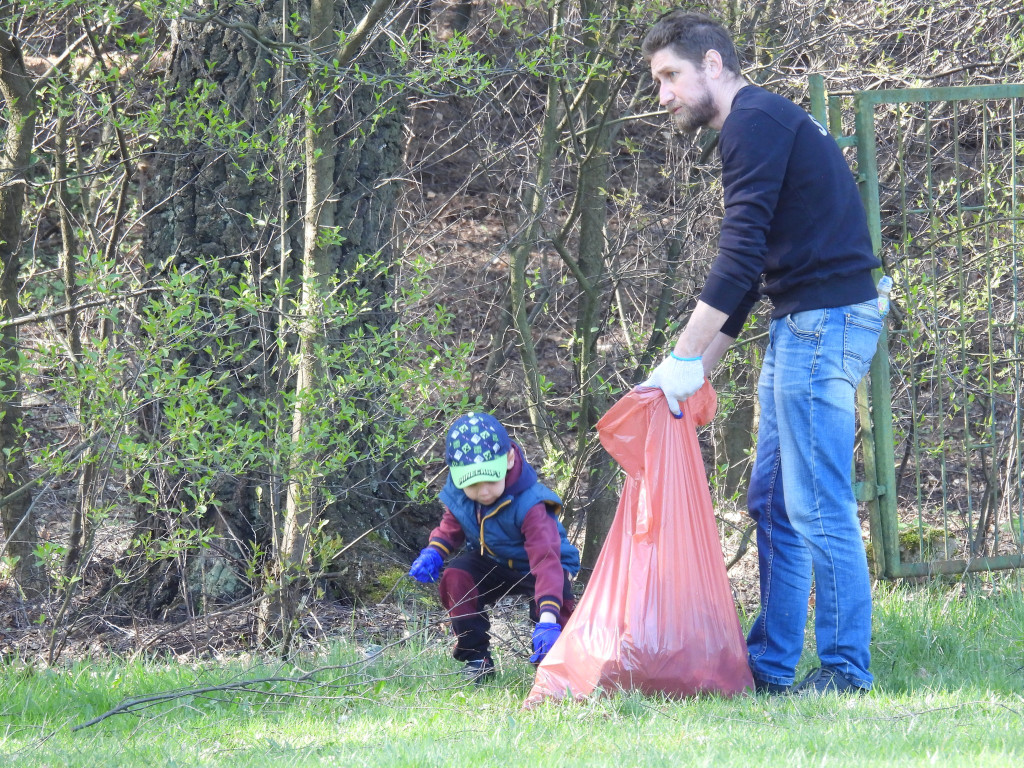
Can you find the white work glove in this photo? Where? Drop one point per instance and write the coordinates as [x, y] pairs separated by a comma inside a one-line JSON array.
[[677, 378]]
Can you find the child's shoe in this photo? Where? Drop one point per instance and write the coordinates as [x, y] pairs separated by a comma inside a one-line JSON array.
[[479, 670]]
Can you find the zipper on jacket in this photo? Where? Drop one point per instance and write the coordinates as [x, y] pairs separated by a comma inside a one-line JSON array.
[[484, 549]]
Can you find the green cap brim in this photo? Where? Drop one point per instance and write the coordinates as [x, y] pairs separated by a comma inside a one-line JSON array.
[[484, 472]]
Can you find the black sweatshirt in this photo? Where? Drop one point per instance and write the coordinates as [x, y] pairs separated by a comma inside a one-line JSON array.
[[793, 215]]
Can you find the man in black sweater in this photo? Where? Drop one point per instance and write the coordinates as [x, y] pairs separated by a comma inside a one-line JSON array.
[[795, 232]]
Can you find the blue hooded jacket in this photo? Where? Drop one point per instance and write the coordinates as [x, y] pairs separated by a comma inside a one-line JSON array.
[[496, 530]]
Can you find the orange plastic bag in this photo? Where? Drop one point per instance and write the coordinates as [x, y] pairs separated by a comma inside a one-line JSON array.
[[658, 613]]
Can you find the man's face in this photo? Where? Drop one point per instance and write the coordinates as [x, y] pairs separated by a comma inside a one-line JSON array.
[[683, 91]]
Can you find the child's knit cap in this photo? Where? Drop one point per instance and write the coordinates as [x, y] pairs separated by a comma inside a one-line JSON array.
[[477, 449]]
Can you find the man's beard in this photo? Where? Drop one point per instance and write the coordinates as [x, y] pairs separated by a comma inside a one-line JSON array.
[[689, 118]]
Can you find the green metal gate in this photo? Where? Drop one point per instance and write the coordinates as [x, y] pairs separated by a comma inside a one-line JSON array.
[[941, 172]]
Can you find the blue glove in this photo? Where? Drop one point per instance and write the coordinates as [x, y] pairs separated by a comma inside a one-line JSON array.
[[544, 636], [427, 567], [677, 378]]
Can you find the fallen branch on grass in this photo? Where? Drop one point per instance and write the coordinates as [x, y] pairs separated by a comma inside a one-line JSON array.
[[310, 679]]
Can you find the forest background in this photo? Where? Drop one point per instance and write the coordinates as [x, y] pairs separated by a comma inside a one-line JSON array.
[[256, 256]]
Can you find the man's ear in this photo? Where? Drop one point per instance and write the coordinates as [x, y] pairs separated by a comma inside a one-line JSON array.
[[713, 63], [511, 458]]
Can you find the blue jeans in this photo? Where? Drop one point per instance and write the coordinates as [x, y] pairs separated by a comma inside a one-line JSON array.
[[801, 495]]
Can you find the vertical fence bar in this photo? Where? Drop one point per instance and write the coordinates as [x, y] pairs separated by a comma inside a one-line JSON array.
[[935, 403], [1016, 460], [835, 115], [816, 91], [960, 327], [883, 506], [990, 500]]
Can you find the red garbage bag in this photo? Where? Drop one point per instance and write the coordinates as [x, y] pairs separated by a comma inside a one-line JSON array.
[[657, 615]]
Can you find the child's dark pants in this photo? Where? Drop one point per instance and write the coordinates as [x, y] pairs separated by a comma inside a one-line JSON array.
[[472, 582]]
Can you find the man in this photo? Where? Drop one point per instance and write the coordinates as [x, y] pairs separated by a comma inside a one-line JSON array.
[[795, 230]]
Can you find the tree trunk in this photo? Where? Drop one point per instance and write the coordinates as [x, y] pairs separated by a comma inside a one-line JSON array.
[[68, 263], [366, 134], [232, 204], [594, 172], [301, 505], [15, 509], [534, 205], [240, 206], [736, 433]]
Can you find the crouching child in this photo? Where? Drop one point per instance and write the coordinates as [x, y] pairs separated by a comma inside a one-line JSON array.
[[507, 519]]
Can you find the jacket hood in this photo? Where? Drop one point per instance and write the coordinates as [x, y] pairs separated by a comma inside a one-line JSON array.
[[521, 476]]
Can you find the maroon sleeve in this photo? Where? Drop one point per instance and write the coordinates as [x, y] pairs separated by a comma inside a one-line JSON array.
[[544, 549], [448, 536]]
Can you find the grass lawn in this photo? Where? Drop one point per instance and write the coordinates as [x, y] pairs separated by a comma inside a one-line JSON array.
[[949, 691]]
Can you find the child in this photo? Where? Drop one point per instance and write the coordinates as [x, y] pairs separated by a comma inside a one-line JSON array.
[[495, 504]]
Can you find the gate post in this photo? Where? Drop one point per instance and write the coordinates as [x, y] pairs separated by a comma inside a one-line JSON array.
[[882, 503]]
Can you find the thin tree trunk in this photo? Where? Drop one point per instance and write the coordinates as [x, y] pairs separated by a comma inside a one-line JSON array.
[[88, 475], [737, 432], [595, 170], [300, 503], [74, 333], [534, 203], [321, 262], [16, 515]]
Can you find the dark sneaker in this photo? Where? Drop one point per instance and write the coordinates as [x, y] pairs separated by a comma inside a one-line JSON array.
[[765, 688], [479, 670], [825, 680]]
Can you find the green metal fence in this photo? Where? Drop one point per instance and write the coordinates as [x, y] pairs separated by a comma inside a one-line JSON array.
[[942, 178]]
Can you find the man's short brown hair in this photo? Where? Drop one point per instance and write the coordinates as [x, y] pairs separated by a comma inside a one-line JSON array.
[[690, 36]]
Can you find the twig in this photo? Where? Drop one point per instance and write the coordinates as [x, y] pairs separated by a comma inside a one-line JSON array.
[[150, 641], [144, 702], [52, 313], [741, 550], [134, 704]]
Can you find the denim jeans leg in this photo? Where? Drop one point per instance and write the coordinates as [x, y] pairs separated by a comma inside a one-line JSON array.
[[776, 638], [820, 357]]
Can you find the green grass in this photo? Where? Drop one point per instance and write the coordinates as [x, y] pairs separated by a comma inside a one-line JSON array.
[[949, 667]]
